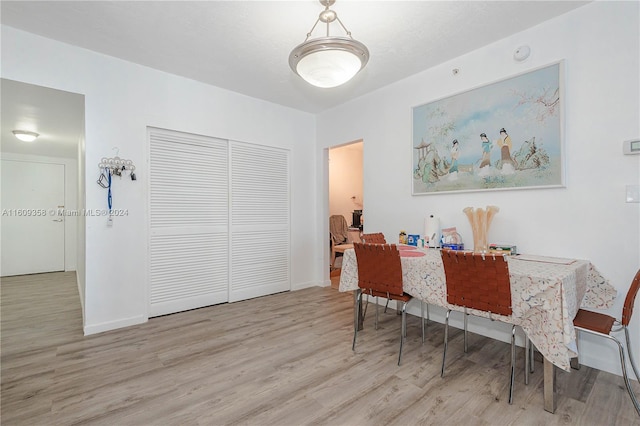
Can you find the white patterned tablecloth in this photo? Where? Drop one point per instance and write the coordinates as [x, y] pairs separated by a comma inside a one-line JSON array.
[[546, 294]]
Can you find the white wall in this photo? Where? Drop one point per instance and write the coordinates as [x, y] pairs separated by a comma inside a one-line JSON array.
[[70, 200], [121, 100], [589, 219]]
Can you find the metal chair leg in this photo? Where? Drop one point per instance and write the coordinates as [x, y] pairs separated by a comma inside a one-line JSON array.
[[466, 334], [356, 311], [623, 363], [513, 362], [634, 400], [446, 341], [633, 363], [386, 305], [527, 359], [403, 330], [376, 324], [422, 318], [363, 314], [532, 353]]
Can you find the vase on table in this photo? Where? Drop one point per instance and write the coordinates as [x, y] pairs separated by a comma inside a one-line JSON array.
[[480, 220]]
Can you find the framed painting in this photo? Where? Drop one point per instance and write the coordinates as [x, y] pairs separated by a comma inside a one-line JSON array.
[[505, 135]]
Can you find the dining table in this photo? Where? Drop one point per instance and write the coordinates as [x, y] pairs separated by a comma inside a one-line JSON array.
[[546, 294]]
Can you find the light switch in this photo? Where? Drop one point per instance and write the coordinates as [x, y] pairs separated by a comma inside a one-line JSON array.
[[633, 193]]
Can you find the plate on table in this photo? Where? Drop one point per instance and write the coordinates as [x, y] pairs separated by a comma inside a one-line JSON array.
[[409, 253], [406, 247]]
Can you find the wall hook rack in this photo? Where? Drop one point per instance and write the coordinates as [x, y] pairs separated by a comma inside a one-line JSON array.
[[109, 167], [117, 166]]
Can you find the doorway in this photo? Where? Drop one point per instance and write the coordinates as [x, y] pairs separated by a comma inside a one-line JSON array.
[[42, 189], [346, 191], [346, 180]]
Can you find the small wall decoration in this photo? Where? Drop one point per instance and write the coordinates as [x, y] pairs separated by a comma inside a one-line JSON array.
[[505, 135]]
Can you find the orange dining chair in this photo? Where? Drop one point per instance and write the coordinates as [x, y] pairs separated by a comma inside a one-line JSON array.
[[380, 274], [479, 281], [603, 325], [374, 238], [378, 238]]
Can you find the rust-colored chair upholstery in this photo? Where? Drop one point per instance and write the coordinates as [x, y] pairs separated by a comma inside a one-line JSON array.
[[477, 281], [603, 325], [380, 274], [481, 282], [378, 238], [374, 238]]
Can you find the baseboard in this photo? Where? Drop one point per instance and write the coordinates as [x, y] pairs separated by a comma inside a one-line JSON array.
[[308, 284], [112, 325]]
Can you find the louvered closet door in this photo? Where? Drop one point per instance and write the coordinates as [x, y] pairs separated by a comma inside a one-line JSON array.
[[189, 214], [260, 237]]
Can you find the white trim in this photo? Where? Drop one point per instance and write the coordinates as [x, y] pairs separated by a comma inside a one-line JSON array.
[[112, 325]]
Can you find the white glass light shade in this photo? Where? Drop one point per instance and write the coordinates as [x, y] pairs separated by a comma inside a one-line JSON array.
[[25, 136], [328, 61], [328, 68]]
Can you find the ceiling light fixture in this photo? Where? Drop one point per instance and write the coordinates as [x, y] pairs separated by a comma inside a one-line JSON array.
[[328, 61], [25, 136]]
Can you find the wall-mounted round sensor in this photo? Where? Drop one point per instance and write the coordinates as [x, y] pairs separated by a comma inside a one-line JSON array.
[[522, 53]]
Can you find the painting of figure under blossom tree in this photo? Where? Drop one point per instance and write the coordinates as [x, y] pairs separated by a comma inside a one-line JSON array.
[[505, 135]]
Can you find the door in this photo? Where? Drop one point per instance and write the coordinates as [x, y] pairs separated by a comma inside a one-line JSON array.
[[32, 219], [189, 236], [260, 223], [219, 221]]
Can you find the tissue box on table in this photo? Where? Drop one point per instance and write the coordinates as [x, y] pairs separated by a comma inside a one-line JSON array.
[[412, 239], [502, 248]]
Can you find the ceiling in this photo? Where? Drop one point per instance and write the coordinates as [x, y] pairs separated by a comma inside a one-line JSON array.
[[56, 115], [243, 46]]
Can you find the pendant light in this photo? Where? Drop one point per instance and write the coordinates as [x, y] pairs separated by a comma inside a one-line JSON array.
[[328, 61]]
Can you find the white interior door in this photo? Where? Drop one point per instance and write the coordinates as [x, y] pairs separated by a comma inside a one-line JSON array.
[[32, 229], [259, 212], [219, 221], [188, 221]]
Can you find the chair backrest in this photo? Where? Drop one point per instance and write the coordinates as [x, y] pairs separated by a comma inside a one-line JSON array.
[[375, 238], [477, 281], [338, 229], [627, 309], [379, 267]]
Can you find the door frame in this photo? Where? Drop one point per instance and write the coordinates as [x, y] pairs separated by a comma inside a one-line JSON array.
[[327, 204]]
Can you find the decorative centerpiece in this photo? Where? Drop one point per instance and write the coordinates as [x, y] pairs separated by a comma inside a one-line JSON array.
[[480, 220]]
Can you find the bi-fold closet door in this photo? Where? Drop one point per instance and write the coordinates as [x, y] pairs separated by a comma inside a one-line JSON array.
[[219, 221]]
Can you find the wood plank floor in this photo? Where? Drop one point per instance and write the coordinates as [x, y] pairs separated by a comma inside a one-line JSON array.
[[284, 359]]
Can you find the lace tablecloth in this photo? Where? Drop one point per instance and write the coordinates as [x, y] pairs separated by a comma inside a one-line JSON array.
[[546, 294]]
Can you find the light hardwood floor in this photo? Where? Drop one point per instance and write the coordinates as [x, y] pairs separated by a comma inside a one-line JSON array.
[[284, 359]]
